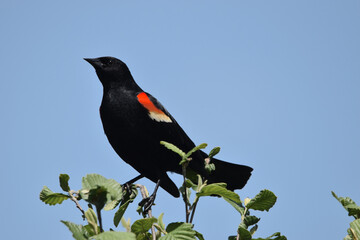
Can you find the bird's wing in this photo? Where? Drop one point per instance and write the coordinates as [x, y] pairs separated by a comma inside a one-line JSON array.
[[156, 111], [162, 121]]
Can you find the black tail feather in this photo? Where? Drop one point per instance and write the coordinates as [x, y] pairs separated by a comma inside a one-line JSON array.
[[169, 186], [234, 175]]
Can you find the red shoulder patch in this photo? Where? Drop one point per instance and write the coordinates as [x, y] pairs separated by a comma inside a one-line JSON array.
[[154, 112], [147, 103]]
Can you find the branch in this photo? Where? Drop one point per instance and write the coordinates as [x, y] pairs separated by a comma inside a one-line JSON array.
[[73, 198], [144, 196], [187, 211], [193, 210]]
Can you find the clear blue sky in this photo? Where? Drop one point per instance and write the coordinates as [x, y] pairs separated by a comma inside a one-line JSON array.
[[276, 84]]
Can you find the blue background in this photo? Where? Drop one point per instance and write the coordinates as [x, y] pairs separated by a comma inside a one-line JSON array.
[[274, 83]]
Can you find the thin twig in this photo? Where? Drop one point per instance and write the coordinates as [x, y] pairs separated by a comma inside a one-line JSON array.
[[193, 211], [144, 195], [242, 221], [187, 213], [73, 198]]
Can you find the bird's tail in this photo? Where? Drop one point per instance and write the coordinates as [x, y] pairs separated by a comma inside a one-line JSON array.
[[234, 175], [169, 186]]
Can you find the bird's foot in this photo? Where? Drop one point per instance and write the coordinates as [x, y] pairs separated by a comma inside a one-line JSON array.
[[147, 203], [127, 187]]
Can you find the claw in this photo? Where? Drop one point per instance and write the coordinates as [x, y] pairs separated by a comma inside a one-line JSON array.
[[127, 187], [148, 203]]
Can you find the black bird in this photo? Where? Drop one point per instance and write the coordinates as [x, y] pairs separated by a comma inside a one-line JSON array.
[[135, 122]]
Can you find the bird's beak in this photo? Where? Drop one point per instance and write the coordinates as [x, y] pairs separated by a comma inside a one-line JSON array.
[[95, 62]]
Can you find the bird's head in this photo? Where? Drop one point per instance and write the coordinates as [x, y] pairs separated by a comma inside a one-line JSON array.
[[110, 69]]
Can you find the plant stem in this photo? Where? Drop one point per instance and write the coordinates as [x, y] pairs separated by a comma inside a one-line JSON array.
[[98, 211], [193, 209], [187, 213], [192, 213], [242, 221], [144, 195], [71, 192], [243, 216]]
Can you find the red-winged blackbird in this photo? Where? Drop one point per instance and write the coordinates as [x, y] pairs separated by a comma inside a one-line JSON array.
[[135, 123]]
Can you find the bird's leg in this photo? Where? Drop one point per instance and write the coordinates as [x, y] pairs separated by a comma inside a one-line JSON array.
[[127, 186], [146, 203]]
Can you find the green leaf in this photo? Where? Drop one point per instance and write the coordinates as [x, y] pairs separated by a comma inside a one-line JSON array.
[[92, 220], [139, 210], [78, 231], [201, 146], [349, 205], [238, 206], [354, 210], [251, 220], [115, 236], [115, 190], [98, 196], [190, 184], [220, 190], [200, 184], [51, 198], [347, 237], [355, 228], [161, 222], [184, 162], [179, 231], [253, 229], [126, 224], [91, 181], [188, 193], [246, 201], [91, 230], [130, 194], [244, 234], [199, 235], [141, 228], [142, 225], [242, 225], [160, 230], [221, 184], [120, 212], [214, 151], [209, 167], [191, 175], [173, 148], [110, 191], [350, 235], [112, 204], [262, 201], [344, 201], [64, 182], [232, 238], [275, 236], [144, 236]]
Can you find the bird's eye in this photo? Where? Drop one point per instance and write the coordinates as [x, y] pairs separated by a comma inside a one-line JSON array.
[[106, 62]]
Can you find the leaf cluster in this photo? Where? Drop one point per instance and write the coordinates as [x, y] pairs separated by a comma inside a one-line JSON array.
[[261, 202], [107, 194], [101, 193], [353, 210]]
